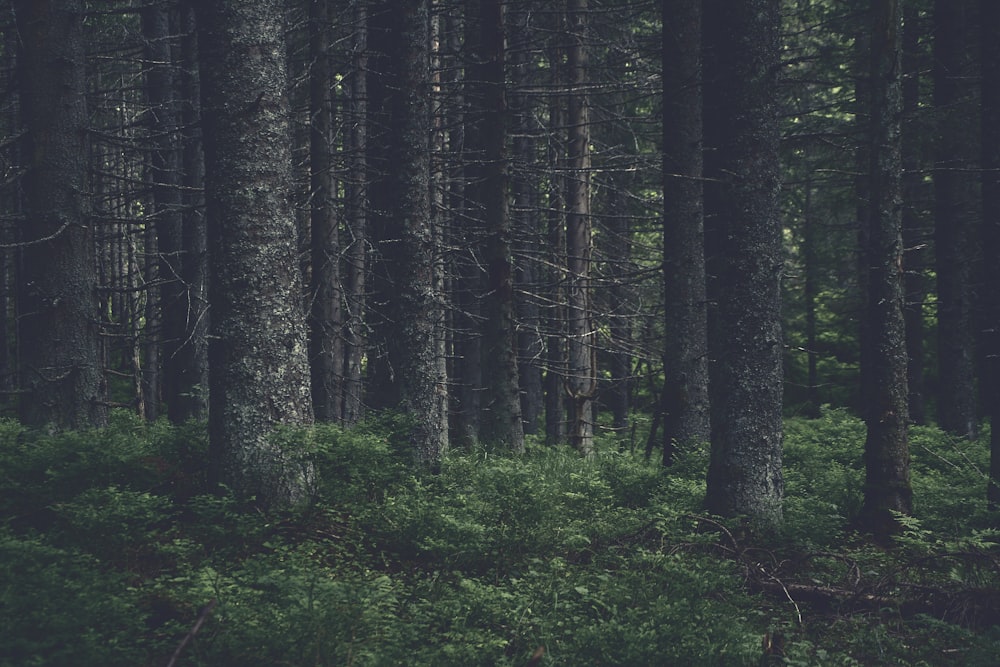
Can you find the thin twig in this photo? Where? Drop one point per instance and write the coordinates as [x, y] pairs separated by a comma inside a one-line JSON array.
[[202, 617]]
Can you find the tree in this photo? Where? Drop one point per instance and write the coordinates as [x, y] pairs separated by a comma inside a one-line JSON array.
[[502, 418], [60, 367], [409, 249], [989, 22], [259, 372], [685, 354], [581, 380], [741, 140], [887, 461], [357, 245], [326, 344], [955, 211]]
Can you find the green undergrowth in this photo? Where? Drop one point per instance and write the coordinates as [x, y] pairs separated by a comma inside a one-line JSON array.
[[111, 553]]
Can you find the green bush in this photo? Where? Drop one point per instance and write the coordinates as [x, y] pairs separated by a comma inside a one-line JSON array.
[[110, 549]]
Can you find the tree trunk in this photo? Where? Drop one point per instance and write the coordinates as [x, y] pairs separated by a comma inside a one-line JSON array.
[[954, 216], [914, 232], [326, 345], [685, 352], [989, 21], [168, 312], [502, 411], [62, 381], [555, 311], [259, 368], [741, 62], [356, 213], [187, 397], [416, 308], [887, 459], [526, 222], [581, 381]]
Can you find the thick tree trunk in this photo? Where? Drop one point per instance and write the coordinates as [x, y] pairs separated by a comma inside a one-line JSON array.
[[259, 370], [581, 380], [326, 344], [954, 218], [685, 351], [62, 381], [989, 21], [741, 62], [887, 459], [416, 308]]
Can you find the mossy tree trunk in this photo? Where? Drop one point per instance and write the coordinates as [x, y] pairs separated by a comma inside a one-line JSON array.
[[887, 460], [60, 365], [259, 372], [685, 351], [741, 131]]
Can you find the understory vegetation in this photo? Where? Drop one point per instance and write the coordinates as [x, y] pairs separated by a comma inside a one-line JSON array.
[[111, 553]]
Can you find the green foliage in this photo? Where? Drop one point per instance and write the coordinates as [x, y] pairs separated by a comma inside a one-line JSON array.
[[111, 550]]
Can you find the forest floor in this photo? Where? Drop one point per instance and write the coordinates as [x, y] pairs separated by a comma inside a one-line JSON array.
[[112, 554]]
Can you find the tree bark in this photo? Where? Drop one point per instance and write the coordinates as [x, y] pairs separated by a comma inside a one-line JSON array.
[[326, 344], [259, 369], [526, 223], [502, 411], [581, 380], [954, 216], [188, 397], [915, 236], [740, 69], [168, 312], [685, 351], [416, 310], [989, 21], [62, 381], [887, 460], [356, 212]]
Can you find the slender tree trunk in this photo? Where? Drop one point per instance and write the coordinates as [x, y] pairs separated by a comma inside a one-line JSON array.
[[526, 222], [887, 460], [502, 412], [954, 216], [555, 311], [989, 21], [326, 344], [187, 397], [741, 62], [581, 382], [258, 352], [685, 351], [811, 262], [468, 238], [356, 213], [167, 313], [62, 381], [618, 249], [914, 232]]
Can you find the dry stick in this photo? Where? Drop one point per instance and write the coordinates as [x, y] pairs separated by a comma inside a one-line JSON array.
[[202, 617]]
